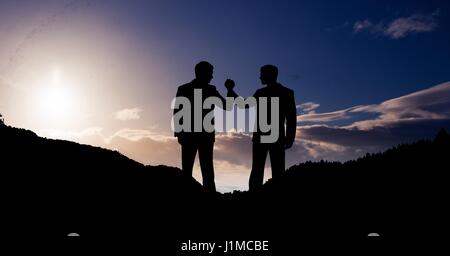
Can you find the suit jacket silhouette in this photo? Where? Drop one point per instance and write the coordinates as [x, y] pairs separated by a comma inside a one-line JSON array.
[[287, 113], [187, 90]]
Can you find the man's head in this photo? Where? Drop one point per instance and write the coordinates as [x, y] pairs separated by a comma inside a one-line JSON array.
[[204, 72], [269, 74]]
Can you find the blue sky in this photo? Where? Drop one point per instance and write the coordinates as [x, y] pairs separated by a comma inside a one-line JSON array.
[[367, 74], [313, 43]]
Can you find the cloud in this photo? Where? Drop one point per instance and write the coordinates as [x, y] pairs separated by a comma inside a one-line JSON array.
[[234, 148], [403, 119], [232, 153], [322, 117], [400, 27], [73, 135], [343, 136], [400, 120], [91, 135], [361, 25], [326, 117], [148, 149], [310, 150], [135, 134], [308, 107], [342, 144], [429, 104], [128, 114]]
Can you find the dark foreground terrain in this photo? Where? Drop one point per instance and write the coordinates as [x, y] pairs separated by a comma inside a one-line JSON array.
[[51, 188]]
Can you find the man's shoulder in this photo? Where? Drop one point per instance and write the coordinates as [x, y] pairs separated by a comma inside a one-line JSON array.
[[260, 91], [185, 89], [286, 91], [282, 88], [211, 87], [190, 86], [185, 86], [209, 90]]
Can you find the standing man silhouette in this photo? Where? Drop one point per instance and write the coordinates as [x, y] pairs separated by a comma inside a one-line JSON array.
[[287, 115], [202, 141]]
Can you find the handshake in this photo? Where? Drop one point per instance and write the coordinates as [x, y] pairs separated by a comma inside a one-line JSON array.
[[275, 111]]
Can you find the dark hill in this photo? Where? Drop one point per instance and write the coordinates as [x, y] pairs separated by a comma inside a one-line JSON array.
[[68, 186], [55, 187]]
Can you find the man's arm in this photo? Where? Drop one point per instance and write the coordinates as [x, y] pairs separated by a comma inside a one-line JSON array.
[[291, 120], [229, 84]]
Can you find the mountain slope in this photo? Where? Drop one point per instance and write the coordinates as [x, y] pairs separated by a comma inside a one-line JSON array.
[[65, 184], [55, 187]]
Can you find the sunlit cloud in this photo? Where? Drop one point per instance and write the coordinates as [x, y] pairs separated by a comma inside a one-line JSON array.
[[326, 117], [429, 104], [400, 120], [88, 132], [128, 114], [401, 26], [308, 107], [134, 134]]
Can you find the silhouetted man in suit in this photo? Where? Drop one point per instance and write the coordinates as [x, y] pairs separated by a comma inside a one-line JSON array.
[[203, 141], [287, 114]]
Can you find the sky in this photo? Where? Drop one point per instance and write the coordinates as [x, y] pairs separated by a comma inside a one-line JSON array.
[[367, 75]]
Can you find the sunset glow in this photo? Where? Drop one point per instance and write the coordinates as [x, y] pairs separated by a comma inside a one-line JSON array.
[[105, 72], [55, 99]]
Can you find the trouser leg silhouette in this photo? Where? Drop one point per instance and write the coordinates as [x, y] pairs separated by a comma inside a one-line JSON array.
[[205, 155], [258, 162], [188, 152], [277, 160]]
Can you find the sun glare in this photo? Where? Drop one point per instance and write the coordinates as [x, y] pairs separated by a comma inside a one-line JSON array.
[[55, 101]]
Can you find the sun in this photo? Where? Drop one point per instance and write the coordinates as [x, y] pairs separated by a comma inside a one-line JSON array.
[[55, 102], [55, 99]]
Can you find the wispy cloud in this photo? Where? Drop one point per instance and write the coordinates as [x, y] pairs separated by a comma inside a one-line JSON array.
[[404, 119], [431, 103], [327, 116], [401, 26], [128, 114], [308, 107], [417, 23], [361, 25]]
